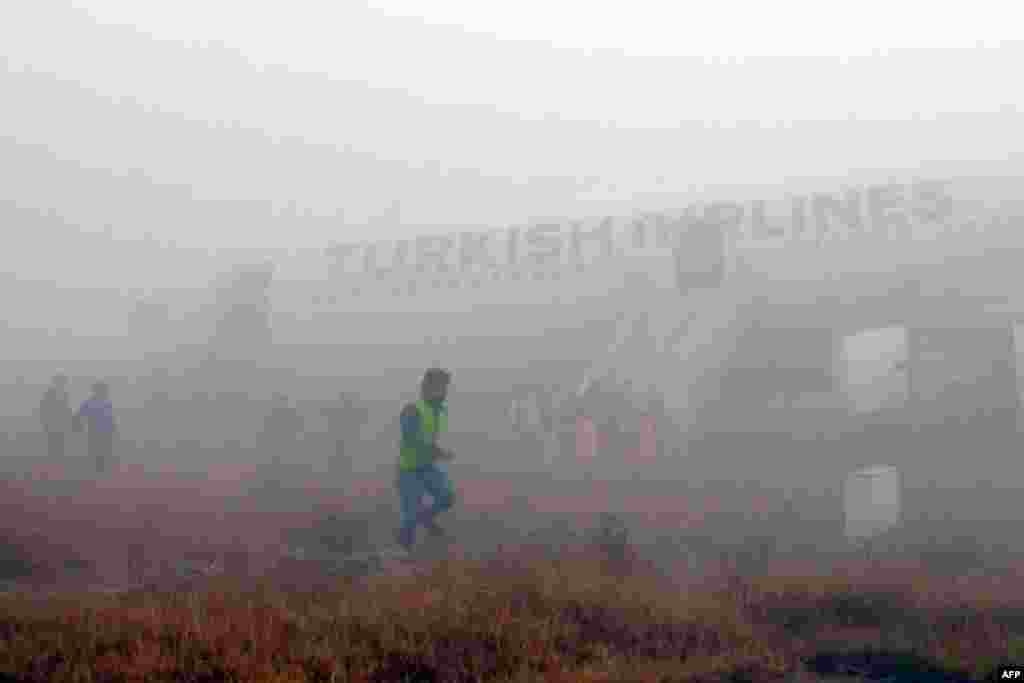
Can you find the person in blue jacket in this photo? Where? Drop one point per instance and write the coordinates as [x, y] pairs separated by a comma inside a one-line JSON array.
[[97, 414]]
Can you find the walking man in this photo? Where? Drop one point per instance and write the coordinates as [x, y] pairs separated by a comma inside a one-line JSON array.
[[56, 417], [96, 414], [345, 420], [422, 422], [282, 427]]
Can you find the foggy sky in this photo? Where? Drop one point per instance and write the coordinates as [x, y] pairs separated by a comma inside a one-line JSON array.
[[229, 128]]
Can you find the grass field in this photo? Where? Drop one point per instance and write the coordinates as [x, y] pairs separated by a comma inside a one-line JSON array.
[[515, 613], [516, 619]]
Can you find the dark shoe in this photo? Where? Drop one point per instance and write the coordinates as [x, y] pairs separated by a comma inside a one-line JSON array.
[[429, 523], [435, 531], [404, 541]]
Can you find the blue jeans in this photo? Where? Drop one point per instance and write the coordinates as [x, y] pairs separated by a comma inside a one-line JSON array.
[[412, 484]]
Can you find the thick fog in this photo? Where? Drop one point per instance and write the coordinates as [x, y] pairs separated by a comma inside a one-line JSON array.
[[748, 267]]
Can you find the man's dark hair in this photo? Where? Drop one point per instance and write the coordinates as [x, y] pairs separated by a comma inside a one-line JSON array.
[[437, 376]]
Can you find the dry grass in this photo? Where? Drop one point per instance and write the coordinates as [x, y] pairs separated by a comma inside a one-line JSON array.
[[511, 618], [517, 616]]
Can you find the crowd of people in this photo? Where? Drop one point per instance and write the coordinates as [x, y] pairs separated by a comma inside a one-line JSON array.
[[275, 434], [536, 416], [347, 431]]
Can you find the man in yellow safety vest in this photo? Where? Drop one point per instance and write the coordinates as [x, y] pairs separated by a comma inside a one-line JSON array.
[[422, 422]]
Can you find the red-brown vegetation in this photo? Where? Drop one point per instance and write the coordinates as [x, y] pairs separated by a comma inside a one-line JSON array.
[[515, 616]]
